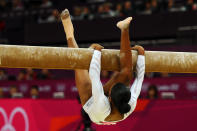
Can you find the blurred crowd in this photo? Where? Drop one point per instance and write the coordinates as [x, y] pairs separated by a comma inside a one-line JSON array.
[[103, 9], [16, 5], [26, 74], [130, 8], [45, 74], [152, 93], [15, 93]]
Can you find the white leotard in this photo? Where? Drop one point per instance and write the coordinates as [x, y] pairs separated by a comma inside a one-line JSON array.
[[98, 106]]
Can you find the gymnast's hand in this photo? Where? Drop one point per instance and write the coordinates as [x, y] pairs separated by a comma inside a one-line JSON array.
[[140, 49], [96, 47]]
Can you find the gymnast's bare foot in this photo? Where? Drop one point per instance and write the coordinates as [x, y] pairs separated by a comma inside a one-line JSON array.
[[124, 24], [65, 13], [67, 23]]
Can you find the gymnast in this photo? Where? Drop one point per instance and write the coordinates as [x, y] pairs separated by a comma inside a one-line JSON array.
[[114, 101]]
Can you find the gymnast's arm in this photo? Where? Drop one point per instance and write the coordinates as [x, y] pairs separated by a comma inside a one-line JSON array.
[[94, 73], [137, 84]]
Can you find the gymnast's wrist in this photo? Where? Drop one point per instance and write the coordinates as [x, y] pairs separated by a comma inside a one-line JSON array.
[[141, 60], [97, 53], [141, 57], [98, 49]]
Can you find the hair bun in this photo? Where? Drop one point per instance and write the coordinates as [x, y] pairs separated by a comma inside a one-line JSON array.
[[124, 108], [121, 95]]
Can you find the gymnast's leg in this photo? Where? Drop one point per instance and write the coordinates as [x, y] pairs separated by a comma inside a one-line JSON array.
[[82, 78], [125, 48]]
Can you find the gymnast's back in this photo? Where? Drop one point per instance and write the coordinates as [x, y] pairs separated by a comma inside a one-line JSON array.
[[99, 109], [98, 106]]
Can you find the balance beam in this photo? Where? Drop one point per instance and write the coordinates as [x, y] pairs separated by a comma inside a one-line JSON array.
[[36, 57]]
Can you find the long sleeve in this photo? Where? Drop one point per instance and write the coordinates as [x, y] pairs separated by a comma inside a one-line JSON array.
[[94, 73], [137, 85]]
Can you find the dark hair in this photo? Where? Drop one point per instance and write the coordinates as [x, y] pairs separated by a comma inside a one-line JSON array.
[[35, 87], [153, 87], [13, 86], [120, 96]]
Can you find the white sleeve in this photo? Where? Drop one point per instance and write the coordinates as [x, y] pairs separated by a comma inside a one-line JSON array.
[[137, 84], [94, 73]]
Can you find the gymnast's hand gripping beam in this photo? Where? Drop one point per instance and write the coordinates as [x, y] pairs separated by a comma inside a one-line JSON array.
[[12, 56]]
